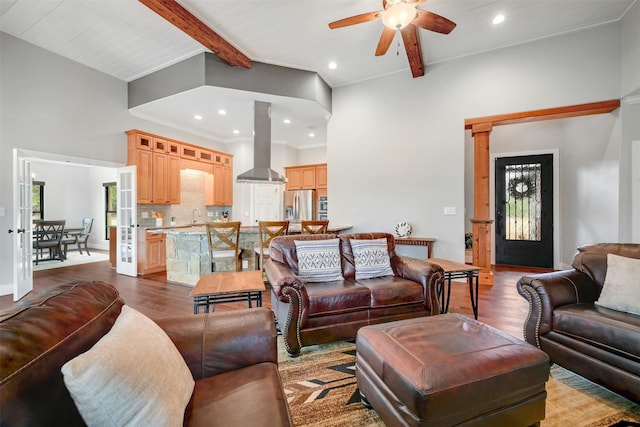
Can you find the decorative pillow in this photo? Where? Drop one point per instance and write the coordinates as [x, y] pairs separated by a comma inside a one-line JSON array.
[[133, 375], [621, 289], [319, 260], [371, 258]]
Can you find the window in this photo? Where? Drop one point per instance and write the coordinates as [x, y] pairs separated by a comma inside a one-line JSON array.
[[110, 206], [37, 198]]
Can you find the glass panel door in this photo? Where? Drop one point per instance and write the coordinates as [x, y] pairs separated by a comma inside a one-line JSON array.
[[126, 245]]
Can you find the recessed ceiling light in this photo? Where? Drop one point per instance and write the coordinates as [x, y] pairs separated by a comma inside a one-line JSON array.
[[333, 65], [311, 135], [197, 117], [287, 121], [236, 131], [499, 19], [222, 112]]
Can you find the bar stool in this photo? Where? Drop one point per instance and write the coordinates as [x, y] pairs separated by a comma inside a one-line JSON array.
[[314, 227], [267, 231], [224, 243]]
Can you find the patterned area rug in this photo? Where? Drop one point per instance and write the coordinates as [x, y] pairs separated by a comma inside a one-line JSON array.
[[322, 392]]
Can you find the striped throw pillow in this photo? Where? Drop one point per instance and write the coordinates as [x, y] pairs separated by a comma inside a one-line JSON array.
[[319, 260], [371, 258]]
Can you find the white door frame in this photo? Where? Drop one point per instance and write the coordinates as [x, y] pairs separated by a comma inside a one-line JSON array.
[[20, 155], [556, 198], [126, 230]]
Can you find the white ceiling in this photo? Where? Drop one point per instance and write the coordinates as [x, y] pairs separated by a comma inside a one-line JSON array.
[[127, 40]]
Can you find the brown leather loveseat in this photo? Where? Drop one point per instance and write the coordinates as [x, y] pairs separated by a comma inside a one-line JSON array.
[[311, 313], [232, 357], [598, 343]]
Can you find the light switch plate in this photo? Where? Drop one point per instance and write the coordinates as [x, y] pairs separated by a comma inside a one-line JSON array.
[[209, 213], [145, 214], [450, 210], [1, 211]]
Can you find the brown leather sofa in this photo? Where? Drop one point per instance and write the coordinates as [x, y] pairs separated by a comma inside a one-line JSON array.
[[232, 356], [316, 313], [597, 343]]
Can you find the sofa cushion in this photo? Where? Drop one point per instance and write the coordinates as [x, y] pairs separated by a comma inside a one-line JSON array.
[[319, 260], [134, 375], [337, 297], [621, 289], [371, 258], [250, 396], [391, 291], [613, 330]]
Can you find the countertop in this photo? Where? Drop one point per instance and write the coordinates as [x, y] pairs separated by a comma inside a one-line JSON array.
[[200, 229]]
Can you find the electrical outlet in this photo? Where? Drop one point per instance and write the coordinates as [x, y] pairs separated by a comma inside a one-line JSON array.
[[209, 213], [450, 210], [145, 214]]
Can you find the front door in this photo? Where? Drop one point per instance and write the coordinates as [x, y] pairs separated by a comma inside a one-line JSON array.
[[524, 210]]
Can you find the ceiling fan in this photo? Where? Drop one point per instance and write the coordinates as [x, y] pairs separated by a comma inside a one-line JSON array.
[[403, 16]]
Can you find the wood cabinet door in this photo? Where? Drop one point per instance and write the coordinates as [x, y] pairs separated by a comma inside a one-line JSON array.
[[173, 180], [321, 176], [309, 178], [222, 186], [156, 253], [294, 179], [159, 186], [228, 186], [144, 168]]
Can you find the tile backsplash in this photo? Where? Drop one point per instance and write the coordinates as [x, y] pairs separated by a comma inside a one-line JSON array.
[[192, 204]]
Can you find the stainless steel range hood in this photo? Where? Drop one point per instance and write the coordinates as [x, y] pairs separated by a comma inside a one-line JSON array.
[[261, 172]]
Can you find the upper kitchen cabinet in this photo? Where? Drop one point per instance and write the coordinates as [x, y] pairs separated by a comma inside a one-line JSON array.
[[220, 184], [307, 177], [159, 161], [301, 177], [321, 176], [157, 166]]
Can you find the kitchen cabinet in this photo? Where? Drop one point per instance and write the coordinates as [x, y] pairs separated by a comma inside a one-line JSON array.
[[301, 178], [152, 252], [219, 186], [159, 161], [321, 176], [158, 168]]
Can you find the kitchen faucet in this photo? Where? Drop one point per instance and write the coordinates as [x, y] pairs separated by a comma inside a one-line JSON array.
[[193, 215]]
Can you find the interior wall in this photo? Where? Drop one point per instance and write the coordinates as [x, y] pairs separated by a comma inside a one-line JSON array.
[[630, 42], [408, 167]]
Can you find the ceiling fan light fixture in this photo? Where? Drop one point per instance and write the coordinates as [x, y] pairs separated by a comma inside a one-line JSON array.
[[399, 15]]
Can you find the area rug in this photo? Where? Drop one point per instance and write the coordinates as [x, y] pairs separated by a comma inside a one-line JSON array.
[[322, 392], [73, 258]]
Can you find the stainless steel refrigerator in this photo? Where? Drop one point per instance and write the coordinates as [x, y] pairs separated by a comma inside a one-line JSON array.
[[299, 205]]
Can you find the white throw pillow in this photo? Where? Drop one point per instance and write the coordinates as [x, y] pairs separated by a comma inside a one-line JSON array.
[[621, 289], [371, 257], [133, 376], [319, 260]]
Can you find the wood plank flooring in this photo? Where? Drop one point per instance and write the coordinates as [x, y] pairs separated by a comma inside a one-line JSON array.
[[500, 305]]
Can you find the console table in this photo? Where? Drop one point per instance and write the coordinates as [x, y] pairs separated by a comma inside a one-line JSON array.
[[416, 241]]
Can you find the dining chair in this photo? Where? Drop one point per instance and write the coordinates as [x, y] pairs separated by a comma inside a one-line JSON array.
[[314, 227], [78, 236], [224, 243], [267, 231], [48, 235]]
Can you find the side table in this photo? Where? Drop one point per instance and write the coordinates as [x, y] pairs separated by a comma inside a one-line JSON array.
[[457, 270]]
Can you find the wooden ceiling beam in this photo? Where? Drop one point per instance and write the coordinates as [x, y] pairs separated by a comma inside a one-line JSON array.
[[546, 114], [196, 29]]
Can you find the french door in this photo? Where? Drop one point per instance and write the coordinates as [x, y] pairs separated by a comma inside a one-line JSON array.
[[524, 210], [126, 235], [22, 241]]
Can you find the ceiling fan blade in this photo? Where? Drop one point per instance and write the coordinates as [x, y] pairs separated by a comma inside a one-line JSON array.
[[432, 22], [352, 20], [413, 49], [385, 41]]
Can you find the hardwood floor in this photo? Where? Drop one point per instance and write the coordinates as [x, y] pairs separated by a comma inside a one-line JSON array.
[[500, 305]]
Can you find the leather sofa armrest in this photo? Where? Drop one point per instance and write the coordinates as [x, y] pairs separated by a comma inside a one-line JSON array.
[[282, 277], [220, 342], [429, 275], [545, 292]]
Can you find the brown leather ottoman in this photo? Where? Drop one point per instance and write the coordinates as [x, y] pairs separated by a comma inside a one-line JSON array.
[[450, 370]]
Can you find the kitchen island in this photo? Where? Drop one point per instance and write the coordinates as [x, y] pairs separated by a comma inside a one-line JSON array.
[[188, 251]]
